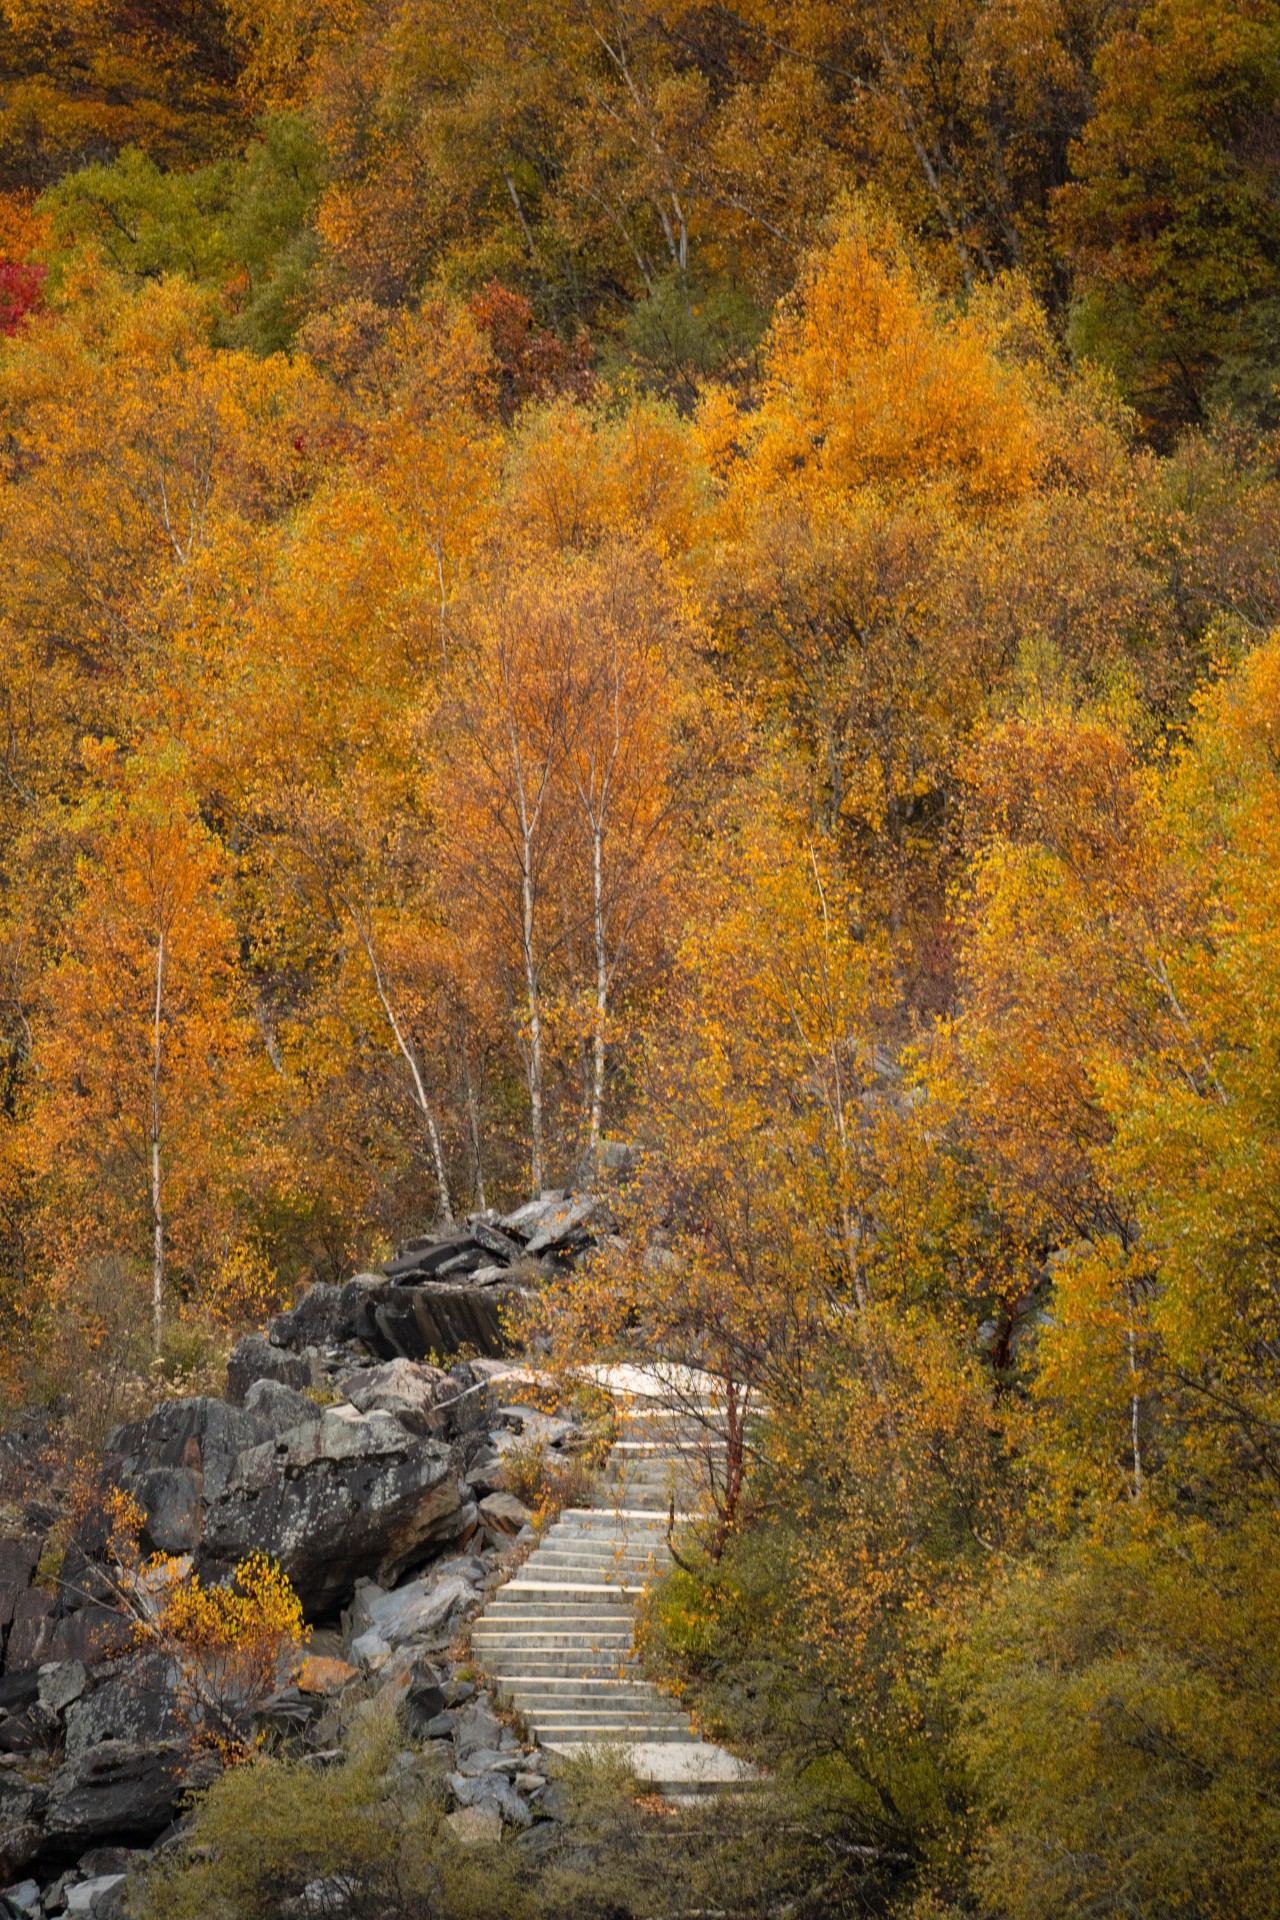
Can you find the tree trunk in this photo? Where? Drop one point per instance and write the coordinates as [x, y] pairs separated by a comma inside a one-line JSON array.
[[157, 1213], [411, 1061], [534, 1057], [602, 984], [473, 1121]]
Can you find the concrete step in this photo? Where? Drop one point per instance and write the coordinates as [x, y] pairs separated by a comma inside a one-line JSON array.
[[629, 1691], [603, 1517], [559, 1667], [566, 1590], [607, 1567], [488, 1634], [582, 1658], [605, 1727]]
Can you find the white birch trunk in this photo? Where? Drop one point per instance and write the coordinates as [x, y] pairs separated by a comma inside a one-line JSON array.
[[602, 983], [410, 1057], [157, 1212], [535, 1008]]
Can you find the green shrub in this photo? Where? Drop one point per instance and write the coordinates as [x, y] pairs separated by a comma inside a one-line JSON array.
[[371, 1834]]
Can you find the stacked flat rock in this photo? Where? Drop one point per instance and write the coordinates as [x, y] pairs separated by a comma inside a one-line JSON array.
[[553, 1230], [447, 1290]]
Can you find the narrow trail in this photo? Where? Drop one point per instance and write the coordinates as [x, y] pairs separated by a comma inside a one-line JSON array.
[[558, 1638]]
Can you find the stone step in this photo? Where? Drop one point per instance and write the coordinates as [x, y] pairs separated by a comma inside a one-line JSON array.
[[554, 1630], [603, 1517], [536, 1692], [589, 1590], [547, 1639], [510, 1626], [565, 1563], [597, 1552], [569, 1554], [518, 1662], [679, 1769], [631, 1546], [607, 1725]]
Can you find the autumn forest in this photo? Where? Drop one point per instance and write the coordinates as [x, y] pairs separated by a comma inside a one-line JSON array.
[[705, 576]]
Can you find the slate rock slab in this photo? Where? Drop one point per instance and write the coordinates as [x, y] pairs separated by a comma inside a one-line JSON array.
[[116, 1790], [347, 1496]]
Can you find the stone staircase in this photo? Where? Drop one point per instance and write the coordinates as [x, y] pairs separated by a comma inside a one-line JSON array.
[[557, 1639]]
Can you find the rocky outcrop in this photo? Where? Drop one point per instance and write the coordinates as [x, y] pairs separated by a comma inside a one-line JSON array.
[[335, 1494], [441, 1294], [343, 1495]]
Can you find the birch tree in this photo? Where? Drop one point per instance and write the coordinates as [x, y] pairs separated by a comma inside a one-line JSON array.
[[144, 1050]]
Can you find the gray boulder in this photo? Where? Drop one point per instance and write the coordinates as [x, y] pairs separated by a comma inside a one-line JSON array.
[[22, 1804], [134, 1706], [421, 1610], [324, 1317], [276, 1411], [89, 1895], [336, 1499], [491, 1791], [254, 1358], [116, 1790], [175, 1462], [410, 1322], [417, 1396]]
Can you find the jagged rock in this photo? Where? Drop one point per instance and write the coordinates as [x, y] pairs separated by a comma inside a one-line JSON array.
[[324, 1676], [254, 1358], [477, 1727], [504, 1513], [32, 1630], [484, 1475], [334, 1494], [417, 1611], [133, 1706], [539, 1429], [456, 1252], [417, 1396], [425, 1697], [275, 1411], [115, 1790], [347, 1496], [325, 1316], [20, 1728], [410, 1322], [87, 1896], [201, 1438], [475, 1826], [170, 1499], [493, 1240], [23, 1899], [490, 1760], [61, 1683], [19, 1557], [491, 1790], [22, 1805]]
